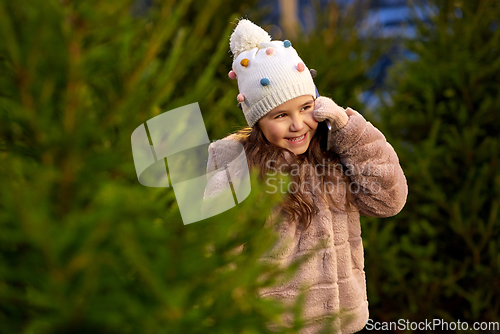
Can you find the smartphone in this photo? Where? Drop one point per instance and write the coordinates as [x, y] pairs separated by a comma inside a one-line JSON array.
[[329, 126]]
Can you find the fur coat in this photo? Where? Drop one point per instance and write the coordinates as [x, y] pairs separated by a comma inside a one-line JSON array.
[[334, 273]]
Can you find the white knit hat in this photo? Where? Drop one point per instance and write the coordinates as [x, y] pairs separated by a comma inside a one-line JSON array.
[[269, 73]]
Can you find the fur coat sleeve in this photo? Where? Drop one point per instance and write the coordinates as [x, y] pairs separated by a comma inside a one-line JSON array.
[[378, 184]]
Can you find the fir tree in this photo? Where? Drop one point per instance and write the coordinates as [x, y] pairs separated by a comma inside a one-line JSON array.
[[440, 257], [84, 248]]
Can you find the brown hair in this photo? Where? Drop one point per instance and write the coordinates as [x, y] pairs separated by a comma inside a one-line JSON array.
[[262, 154]]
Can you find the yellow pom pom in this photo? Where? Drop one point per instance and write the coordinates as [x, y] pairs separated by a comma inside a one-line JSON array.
[[244, 62]]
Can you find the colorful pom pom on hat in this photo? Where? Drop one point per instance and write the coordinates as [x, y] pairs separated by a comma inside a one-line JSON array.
[[269, 73]]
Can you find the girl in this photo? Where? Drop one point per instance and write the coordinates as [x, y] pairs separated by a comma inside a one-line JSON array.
[[337, 173]]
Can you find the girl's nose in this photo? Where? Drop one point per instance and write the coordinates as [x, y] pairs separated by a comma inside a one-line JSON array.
[[297, 123]]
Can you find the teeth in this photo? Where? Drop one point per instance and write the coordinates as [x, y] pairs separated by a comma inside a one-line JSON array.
[[298, 138]]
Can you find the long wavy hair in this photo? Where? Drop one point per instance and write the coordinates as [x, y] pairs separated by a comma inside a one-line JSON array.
[[268, 158]]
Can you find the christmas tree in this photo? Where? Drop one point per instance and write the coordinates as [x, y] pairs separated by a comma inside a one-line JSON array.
[[440, 257], [85, 248]]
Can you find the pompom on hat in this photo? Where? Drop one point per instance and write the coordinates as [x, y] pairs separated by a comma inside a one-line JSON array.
[[269, 73]]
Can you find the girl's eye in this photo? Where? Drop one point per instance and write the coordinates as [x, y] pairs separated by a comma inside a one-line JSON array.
[[305, 108], [279, 116]]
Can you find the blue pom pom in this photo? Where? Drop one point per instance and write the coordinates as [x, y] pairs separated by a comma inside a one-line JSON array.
[[264, 81], [287, 43]]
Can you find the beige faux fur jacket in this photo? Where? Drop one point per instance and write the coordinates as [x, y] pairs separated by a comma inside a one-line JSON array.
[[334, 274]]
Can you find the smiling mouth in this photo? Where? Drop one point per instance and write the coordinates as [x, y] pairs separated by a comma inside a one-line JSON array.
[[297, 140]]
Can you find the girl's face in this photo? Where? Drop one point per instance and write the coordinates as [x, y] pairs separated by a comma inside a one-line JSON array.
[[291, 125]]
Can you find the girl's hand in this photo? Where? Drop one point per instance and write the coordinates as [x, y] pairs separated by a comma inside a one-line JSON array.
[[325, 108]]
